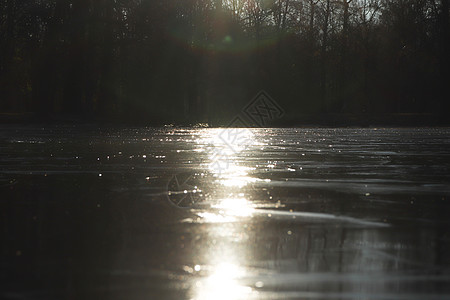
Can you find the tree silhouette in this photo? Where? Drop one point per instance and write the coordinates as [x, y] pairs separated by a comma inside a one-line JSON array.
[[203, 60]]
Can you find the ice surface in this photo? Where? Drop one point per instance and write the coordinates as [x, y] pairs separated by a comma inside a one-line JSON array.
[[175, 213]]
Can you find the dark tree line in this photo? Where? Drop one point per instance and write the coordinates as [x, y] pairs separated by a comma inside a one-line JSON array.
[[203, 60]]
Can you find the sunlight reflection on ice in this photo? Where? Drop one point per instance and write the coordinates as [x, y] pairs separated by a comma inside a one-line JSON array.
[[234, 139], [229, 210], [223, 284], [237, 181], [224, 146], [240, 207]]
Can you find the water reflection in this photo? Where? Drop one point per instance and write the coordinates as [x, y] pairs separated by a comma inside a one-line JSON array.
[[296, 219], [296, 254], [224, 147], [225, 255], [227, 210], [236, 176], [223, 283], [225, 268], [236, 206]]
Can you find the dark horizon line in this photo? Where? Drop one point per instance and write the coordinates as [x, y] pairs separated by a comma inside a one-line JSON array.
[[301, 120]]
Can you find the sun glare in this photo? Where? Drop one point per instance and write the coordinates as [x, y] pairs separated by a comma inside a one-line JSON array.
[[224, 146], [223, 284], [239, 207], [229, 210], [223, 272]]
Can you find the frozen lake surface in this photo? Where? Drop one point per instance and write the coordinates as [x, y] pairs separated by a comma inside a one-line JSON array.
[[176, 213]]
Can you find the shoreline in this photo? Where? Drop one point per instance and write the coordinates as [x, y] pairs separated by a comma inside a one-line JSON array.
[[310, 120]]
